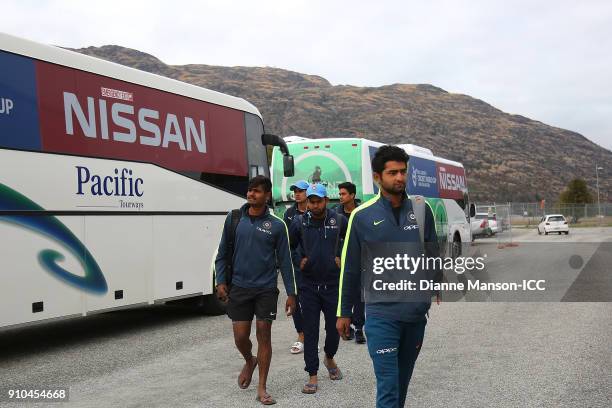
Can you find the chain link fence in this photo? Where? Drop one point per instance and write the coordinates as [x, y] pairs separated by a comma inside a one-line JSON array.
[[529, 214]]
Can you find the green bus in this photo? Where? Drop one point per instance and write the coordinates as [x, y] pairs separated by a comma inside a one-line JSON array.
[[333, 161]]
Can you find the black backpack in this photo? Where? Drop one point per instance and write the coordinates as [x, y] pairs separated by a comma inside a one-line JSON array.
[[230, 246]]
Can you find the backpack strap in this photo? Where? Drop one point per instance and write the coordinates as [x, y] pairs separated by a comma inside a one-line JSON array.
[[418, 207], [231, 244]]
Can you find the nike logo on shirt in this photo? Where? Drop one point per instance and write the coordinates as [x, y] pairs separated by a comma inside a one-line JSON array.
[[378, 222]]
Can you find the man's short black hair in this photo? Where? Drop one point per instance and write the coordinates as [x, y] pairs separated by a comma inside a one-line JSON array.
[[348, 186], [387, 153], [262, 181]]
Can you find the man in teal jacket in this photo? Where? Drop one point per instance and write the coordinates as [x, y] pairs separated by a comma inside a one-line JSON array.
[[395, 329], [261, 238]]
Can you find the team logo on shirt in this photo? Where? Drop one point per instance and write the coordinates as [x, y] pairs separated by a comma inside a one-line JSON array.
[[412, 216], [267, 224], [332, 221]]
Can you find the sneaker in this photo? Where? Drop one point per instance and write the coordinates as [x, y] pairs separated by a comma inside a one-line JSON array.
[[359, 337]]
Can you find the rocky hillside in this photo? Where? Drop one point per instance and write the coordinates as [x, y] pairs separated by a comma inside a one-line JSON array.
[[508, 157]]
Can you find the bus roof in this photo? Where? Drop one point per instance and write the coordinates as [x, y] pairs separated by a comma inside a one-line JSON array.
[[411, 149], [109, 69]]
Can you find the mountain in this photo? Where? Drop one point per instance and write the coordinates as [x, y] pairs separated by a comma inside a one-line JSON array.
[[507, 157]]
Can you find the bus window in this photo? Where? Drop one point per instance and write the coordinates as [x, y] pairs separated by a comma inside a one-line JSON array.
[[257, 170], [256, 152]]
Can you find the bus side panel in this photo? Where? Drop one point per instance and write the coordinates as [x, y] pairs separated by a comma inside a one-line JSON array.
[[91, 115], [457, 220], [319, 161], [18, 103], [183, 248], [451, 181], [26, 280], [122, 247], [422, 177], [117, 250], [369, 188]]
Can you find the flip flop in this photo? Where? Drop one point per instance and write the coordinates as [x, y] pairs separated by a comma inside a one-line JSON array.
[[310, 388], [266, 400], [297, 347], [249, 378], [334, 373]]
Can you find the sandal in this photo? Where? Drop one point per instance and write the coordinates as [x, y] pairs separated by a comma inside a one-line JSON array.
[[249, 377], [310, 388], [266, 400], [297, 347], [334, 373]]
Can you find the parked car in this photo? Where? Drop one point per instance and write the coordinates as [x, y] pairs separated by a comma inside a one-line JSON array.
[[480, 225], [483, 224], [492, 218], [553, 223]]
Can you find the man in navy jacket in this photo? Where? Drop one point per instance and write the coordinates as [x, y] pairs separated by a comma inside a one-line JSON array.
[[316, 240], [261, 238], [395, 329], [348, 203], [299, 195]]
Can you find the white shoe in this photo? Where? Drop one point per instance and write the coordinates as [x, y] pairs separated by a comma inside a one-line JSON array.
[[297, 347]]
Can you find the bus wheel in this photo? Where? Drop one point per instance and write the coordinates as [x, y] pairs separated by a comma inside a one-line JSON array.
[[211, 305], [456, 247]]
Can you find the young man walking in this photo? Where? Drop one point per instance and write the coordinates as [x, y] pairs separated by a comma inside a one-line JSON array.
[[299, 195], [317, 236], [395, 330], [260, 239], [348, 203]]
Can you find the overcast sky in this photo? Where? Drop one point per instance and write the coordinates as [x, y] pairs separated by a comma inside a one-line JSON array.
[[547, 60]]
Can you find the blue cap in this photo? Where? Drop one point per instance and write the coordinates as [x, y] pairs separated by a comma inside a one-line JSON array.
[[318, 190], [300, 185]]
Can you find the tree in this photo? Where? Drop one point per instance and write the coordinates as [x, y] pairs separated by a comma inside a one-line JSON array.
[[576, 192]]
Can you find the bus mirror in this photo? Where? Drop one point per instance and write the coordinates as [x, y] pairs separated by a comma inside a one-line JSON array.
[[472, 210], [288, 165], [272, 140]]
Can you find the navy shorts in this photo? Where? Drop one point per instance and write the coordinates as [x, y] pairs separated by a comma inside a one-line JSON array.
[[244, 303]]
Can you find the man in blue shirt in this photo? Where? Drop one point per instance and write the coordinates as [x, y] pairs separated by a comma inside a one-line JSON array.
[[348, 203], [316, 239], [395, 329], [260, 239], [299, 195]]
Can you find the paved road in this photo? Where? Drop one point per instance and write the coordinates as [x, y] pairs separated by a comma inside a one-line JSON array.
[[575, 267], [474, 355]]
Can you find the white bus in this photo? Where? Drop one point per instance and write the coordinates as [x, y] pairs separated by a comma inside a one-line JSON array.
[[114, 183], [333, 161]]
